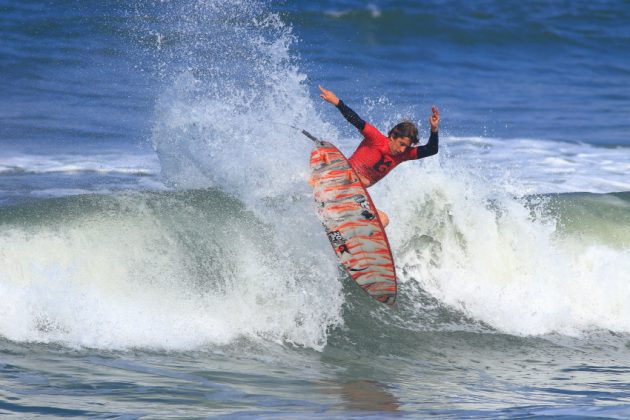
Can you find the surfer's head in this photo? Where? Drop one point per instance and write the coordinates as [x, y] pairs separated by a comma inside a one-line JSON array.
[[401, 136]]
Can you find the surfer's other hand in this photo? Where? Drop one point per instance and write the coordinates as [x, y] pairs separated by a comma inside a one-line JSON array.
[[434, 119], [328, 96]]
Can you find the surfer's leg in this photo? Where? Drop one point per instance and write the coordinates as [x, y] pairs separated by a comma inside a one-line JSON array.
[[384, 218]]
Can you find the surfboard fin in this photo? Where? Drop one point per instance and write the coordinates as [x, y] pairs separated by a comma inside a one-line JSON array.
[[312, 137]]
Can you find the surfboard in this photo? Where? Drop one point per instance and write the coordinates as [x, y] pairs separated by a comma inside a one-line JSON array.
[[352, 224]]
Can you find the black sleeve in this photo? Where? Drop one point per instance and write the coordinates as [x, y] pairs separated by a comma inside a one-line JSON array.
[[429, 149], [351, 116]]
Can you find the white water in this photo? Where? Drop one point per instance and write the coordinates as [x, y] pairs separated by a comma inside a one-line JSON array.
[[491, 257], [541, 166], [118, 280]]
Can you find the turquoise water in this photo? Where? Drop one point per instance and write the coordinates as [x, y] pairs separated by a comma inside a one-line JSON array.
[[159, 251]]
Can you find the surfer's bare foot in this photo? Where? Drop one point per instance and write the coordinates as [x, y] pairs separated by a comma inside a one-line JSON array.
[[384, 218]]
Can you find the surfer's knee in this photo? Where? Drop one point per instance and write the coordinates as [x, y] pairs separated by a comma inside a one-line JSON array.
[[384, 218]]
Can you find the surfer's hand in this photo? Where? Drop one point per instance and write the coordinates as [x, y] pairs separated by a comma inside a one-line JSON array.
[[434, 119], [328, 96]]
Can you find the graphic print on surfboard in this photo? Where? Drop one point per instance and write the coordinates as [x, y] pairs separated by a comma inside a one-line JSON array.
[[352, 223]]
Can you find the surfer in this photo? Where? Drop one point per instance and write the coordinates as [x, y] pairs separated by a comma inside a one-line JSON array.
[[378, 154]]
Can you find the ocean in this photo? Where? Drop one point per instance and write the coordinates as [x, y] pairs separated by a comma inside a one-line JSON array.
[[160, 253]]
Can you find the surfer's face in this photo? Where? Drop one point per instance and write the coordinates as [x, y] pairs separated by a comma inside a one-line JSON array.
[[399, 145]]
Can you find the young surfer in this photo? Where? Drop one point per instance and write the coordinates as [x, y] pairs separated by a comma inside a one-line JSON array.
[[378, 154]]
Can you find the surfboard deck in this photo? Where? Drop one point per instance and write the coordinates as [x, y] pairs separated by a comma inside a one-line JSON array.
[[352, 224]]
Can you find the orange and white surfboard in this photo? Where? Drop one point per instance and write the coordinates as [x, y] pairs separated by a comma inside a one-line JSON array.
[[352, 223]]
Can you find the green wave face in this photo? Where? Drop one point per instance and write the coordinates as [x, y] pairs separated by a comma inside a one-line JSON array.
[[593, 218]]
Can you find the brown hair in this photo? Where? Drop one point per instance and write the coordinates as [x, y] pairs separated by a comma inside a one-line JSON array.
[[404, 129]]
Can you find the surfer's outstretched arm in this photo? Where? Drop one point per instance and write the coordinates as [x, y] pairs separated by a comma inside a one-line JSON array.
[[431, 148], [351, 116], [345, 110]]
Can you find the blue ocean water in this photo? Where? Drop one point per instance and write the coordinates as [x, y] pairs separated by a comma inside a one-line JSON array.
[[159, 250]]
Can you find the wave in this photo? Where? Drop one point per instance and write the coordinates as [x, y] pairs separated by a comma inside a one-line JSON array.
[[526, 265], [53, 162], [182, 270], [73, 169], [534, 166], [157, 270]]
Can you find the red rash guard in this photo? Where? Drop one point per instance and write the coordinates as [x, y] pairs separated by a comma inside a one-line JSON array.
[[373, 159]]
